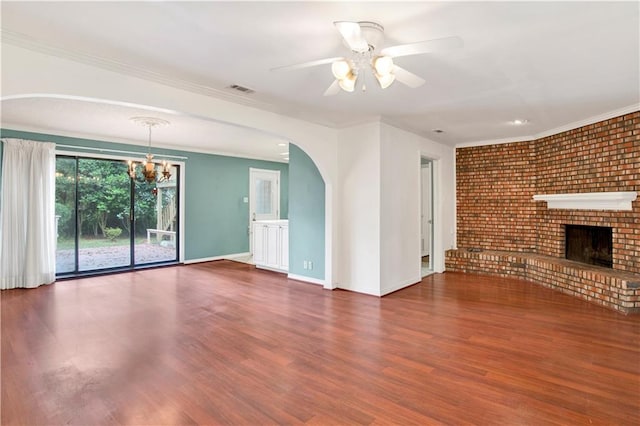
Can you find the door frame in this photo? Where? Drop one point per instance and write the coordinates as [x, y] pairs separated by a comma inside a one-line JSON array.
[[431, 165]]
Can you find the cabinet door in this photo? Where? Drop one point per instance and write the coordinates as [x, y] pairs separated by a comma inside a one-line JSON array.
[[271, 246], [284, 247], [259, 244]]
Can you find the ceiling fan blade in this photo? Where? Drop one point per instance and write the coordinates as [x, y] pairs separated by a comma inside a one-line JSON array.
[[306, 64], [352, 35], [427, 46], [333, 89], [408, 78]]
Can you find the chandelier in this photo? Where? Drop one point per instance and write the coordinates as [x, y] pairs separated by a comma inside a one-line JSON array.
[[151, 171]]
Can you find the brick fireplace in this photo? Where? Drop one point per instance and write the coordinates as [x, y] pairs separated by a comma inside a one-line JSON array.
[[502, 230]]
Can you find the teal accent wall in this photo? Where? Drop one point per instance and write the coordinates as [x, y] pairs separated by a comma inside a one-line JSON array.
[[216, 217], [306, 215]]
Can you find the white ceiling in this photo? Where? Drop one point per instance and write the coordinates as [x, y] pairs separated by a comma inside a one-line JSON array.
[[552, 63]]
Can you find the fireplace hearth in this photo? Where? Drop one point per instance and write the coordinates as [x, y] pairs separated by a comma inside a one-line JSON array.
[[589, 244]]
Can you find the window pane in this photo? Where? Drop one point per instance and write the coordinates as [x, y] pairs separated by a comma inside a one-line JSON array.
[[156, 220], [65, 215], [103, 206], [263, 196]]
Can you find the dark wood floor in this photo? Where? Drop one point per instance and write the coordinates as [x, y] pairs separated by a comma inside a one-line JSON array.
[[223, 343]]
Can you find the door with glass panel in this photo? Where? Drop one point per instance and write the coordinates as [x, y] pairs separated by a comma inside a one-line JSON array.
[[106, 221]]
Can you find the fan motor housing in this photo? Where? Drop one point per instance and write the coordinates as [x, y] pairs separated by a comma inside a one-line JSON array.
[[373, 33]]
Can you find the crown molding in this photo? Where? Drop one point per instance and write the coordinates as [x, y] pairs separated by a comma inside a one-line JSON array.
[[565, 128], [591, 120], [495, 141]]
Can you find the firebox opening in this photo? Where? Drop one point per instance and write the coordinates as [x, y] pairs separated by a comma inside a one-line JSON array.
[[589, 244]]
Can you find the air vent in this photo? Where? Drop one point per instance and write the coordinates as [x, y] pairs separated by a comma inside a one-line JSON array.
[[241, 89]]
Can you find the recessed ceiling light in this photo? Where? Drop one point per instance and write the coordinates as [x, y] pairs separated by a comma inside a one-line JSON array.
[[282, 144], [519, 121], [284, 153], [286, 158]]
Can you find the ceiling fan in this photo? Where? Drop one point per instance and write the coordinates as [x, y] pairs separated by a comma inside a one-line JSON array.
[[364, 39]]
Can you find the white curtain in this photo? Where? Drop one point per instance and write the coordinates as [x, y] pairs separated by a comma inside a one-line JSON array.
[[27, 214]]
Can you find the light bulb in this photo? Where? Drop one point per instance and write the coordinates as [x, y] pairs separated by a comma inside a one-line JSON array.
[[132, 169], [340, 69], [383, 65]]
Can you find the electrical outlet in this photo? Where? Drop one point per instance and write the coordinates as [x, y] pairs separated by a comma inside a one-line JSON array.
[[310, 265], [305, 265]]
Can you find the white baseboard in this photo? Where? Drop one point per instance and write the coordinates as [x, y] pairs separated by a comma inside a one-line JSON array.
[[267, 268], [400, 285], [237, 255], [305, 279], [209, 259]]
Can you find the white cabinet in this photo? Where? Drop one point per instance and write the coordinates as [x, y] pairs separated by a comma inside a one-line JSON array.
[[271, 244]]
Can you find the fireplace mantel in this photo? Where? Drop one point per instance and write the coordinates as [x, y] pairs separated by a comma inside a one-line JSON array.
[[589, 200]]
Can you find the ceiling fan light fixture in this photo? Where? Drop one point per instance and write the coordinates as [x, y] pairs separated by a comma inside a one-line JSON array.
[[383, 65], [385, 80], [340, 69]]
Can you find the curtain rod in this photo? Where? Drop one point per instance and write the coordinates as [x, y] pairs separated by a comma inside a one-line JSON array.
[[118, 151]]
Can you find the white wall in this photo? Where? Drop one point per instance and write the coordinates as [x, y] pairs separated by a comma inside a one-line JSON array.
[[379, 233], [403, 159], [400, 210], [359, 240]]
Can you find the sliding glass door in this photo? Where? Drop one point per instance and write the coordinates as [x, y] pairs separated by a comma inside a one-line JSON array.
[[106, 221]]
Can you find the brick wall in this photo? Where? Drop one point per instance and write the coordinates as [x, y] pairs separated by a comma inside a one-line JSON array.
[[495, 185]]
